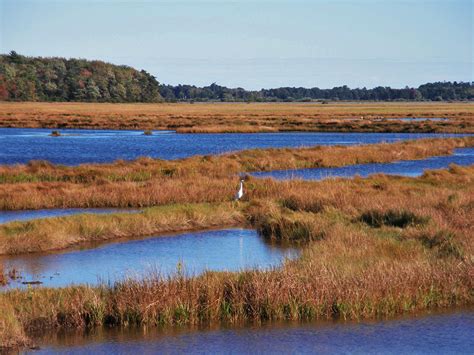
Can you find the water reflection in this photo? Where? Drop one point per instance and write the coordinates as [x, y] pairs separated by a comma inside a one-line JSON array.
[[438, 333], [462, 156], [27, 215], [193, 253], [20, 145]]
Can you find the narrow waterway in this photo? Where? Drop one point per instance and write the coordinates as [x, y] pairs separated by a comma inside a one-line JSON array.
[[188, 253], [414, 168], [436, 333], [28, 215]]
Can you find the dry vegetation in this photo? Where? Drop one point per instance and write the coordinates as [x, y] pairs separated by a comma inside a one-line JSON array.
[[371, 248], [147, 182], [62, 232], [241, 117]]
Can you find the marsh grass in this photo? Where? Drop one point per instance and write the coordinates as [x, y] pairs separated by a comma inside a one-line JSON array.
[[149, 182], [3, 276], [394, 218], [350, 274], [55, 134], [444, 242], [63, 232], [241, 117], [347, 269], [370, 248]]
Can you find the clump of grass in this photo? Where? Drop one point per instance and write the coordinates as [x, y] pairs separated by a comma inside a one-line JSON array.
[[392, 218], [3, 276], [275, 224], [12, 333], [444, 242], [303, 203]]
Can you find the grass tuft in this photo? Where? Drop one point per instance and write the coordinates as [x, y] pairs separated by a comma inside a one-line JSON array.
[[392, 218]]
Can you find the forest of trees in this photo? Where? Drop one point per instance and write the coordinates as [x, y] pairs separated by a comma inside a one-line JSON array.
[[441, 91], [58, 79]]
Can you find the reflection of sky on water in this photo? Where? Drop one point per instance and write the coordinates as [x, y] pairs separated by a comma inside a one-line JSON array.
[[20, 145], [462, 156], [232, 250]]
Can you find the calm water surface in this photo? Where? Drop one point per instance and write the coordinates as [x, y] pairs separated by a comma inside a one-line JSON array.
[[449, 333], [27, 215], [19, 145], [462, 156], [231, 249], [417, 119]]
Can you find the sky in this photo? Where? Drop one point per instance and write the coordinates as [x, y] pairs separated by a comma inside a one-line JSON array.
[[254, 44]]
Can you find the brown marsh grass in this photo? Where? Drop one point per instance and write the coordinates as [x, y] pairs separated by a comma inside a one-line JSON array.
[[419, 256], [59, 233], [241, 117], [149, 182], [296, 210], [371, 247]]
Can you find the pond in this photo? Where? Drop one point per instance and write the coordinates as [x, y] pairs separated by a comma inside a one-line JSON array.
[[438, 333], [27, 215], [192, 253], [461, 156], [20, 145]]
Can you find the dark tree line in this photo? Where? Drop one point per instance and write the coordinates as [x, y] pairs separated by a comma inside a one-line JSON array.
[[441, 91], [58, 79]]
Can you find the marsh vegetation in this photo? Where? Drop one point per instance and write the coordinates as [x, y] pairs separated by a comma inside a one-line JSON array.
[[371, 247], [240, 117]]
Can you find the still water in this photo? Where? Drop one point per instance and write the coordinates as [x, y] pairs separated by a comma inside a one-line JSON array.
[[20, 145], [27, 215], [462, 156], [417, 119], [439, 333], [192, 253]]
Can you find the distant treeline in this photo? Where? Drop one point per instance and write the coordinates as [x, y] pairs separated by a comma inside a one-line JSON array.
[[58, 79], [441, 91]]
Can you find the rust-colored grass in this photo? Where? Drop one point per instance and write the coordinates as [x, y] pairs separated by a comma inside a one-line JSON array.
[[371, 247], [349, 267], [439, 202], [63, 232], [241, 117], [148, 182]]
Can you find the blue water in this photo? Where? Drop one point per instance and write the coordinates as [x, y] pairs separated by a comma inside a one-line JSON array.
[[462, 156], [27, 215], [449, 333], [230, 249], [417, 119], [18, 145]]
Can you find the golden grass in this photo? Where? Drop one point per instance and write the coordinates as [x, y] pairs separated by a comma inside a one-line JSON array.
[[349, 267], [371, 247], [62, 232], [240, 117], [149, 182], [3, 276], [288, 210], [12, 333]]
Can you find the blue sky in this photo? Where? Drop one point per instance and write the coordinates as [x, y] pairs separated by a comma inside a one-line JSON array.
[[254, 44]]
